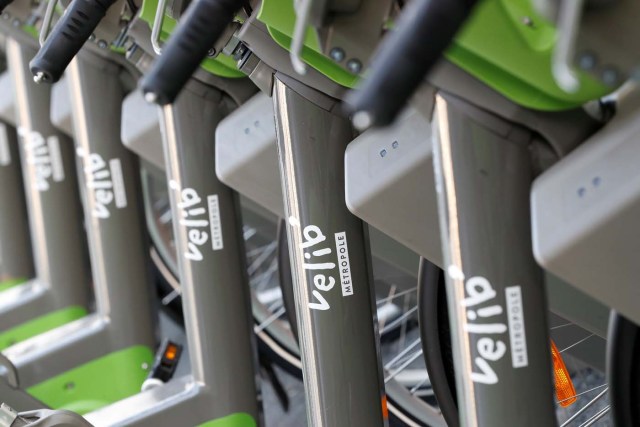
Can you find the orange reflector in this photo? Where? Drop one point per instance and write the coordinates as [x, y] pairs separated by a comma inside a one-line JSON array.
[[385, 410], [565, 391], [171, 352]]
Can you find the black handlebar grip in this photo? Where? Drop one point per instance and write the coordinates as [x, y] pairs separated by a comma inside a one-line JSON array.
[[422, 33], [202, 24], [4, 3], [67, 37]]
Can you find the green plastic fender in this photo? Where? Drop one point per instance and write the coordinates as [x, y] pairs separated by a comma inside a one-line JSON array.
[[40, 325], [98, 383]]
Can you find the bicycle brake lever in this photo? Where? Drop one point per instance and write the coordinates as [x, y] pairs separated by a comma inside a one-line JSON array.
[[423, 32], [202, 24], [67, 37]]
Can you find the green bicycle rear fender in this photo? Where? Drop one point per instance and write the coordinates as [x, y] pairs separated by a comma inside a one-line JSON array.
[[40, 325], [239, 419], [506, 45], [222, 65], [98, 383]]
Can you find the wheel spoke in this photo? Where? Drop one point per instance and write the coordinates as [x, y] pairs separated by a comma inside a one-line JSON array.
[[584, 392], [262, 257], [403, 366], [399, 320], [596, 417], [585, 407], [400, 355], [576, 343], [399, 294], [269, 320]]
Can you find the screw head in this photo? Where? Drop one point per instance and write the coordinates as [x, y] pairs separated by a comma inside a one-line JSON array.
[[354, 65], [16, 22], [92, 37], [337, 54], [211, 52], [526, 20], [102, 44], [145, 365], [610, 76], [587, 61]]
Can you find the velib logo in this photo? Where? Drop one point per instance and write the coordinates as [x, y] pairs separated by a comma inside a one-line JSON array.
[[200, 221], [484, 319], [319, 258], [104, 180], [43, 154]]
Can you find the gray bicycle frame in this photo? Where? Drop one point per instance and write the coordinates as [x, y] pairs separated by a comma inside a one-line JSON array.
[[117, 243], [15, 249], [331, 269], [55, 220], [495, 290], [214, 282]]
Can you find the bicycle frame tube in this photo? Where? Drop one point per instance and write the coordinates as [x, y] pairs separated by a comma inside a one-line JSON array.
[[55, 221], [15, 249], [495, 290], [214, 282], [116, 233], [330, 265]]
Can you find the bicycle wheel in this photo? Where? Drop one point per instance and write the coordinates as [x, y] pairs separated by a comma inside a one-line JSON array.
[[622, 371]]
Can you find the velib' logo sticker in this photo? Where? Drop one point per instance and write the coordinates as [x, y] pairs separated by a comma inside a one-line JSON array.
[[200, 220], [104, 180], [319, 258], [44, 157], [484, 320]]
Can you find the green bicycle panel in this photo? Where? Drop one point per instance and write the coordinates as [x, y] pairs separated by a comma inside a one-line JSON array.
[[98, 383], [222, 65], [40, 325], [509, 47], [505, 44], [279, 17], [238, 419], [10, 283]]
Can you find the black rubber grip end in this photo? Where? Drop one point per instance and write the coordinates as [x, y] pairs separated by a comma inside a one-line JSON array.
[[423, 32], [67, 38], [4, 3], [201, 26]]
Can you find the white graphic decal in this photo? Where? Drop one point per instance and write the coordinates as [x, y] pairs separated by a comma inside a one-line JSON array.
[[517, 333]]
